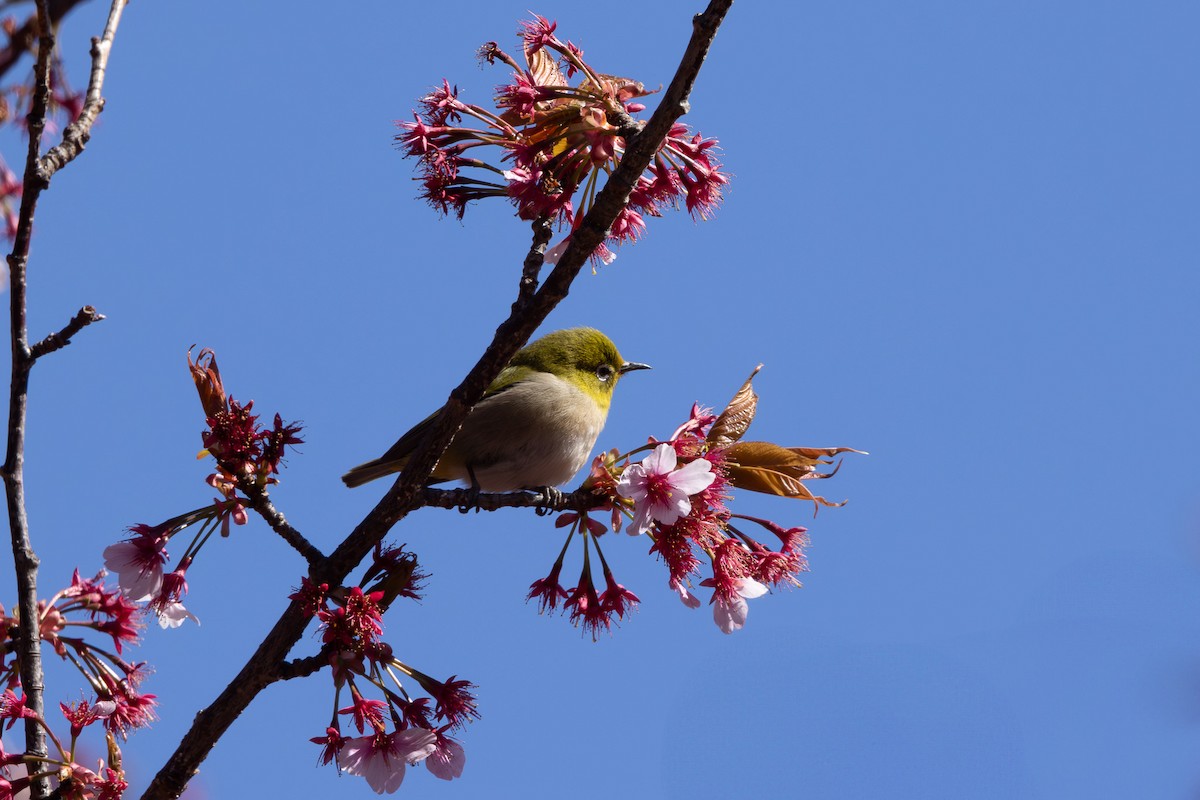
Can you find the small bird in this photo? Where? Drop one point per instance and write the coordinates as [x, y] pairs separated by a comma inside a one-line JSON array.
[[536, 424]]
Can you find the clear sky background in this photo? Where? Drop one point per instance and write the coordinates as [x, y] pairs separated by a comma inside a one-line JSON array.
[[962, 236]]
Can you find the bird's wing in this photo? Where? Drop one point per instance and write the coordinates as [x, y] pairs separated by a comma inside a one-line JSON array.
[[508, 378], [397, 455]]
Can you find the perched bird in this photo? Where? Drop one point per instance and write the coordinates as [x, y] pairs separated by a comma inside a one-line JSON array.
[[536, 424]]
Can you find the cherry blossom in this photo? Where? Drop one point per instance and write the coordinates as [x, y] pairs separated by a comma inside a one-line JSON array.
[[660, 491], [382, 758]]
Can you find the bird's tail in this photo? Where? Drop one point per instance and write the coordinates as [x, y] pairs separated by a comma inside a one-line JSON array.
[[365, 473]]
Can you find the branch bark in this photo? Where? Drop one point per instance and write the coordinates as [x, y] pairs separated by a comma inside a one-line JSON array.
[[36, 179], [465, 500], [408, 493]]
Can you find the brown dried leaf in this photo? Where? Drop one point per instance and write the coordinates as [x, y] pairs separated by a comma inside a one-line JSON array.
[[208, 381], [737, 416], [543, 68], [771, 469]]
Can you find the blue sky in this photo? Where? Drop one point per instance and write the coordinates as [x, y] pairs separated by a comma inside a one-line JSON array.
[[961, 236]]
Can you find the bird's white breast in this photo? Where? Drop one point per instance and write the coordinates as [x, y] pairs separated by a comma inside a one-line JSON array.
[[538, 432]]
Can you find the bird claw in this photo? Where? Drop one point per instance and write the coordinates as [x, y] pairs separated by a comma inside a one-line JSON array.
[[553, 497], [470, 501]]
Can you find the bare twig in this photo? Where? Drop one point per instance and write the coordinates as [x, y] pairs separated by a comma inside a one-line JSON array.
[[36, 179], [76, 136], [303, 667], [543, 231], [56, 341], [409, 492]]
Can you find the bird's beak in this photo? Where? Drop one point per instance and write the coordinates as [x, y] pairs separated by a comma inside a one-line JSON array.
[[630, 366]]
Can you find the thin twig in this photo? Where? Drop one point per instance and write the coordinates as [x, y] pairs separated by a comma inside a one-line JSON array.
[[303, 667], [543, 231], [408, 492], [56, 341], [76, 136]]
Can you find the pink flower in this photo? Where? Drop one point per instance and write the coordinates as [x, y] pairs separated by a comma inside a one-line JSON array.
[[660, 491], [730, 612], [358, 621], [538, 32], [365, 711], [112, 786], [547, 590], [332, 743], [79, 715], [447, 760], [172, 615], [168, 603], [616, 599], [455, 703], [381, 758], [687, 598], [13, 708], [138, 561], [129, 709]]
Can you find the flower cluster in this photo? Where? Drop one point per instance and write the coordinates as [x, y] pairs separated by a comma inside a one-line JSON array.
[[247, 455], [117, 705], [678, 497], [140, 561], [244, 450], [400, 729], [556, 143]]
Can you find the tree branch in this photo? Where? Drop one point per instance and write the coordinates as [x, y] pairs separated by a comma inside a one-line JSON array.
[[57, 341], [408, 492], [303, 667], [25, 560], [36, 179], [77, 134], [464, 500], [543, 231]]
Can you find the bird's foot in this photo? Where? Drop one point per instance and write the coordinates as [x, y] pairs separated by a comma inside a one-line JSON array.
[[470, 501], [552, 497]]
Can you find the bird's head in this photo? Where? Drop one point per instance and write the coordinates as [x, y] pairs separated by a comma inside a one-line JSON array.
[[584, 356]]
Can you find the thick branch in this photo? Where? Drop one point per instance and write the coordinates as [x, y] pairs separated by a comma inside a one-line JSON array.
[[409, 491]]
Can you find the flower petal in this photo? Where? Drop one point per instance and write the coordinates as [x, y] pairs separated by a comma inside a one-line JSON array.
[[661, 461], [730, 615], [750, 588], [693, 477]]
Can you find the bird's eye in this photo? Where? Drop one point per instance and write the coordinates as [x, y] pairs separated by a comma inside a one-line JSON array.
[[604, 372]]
